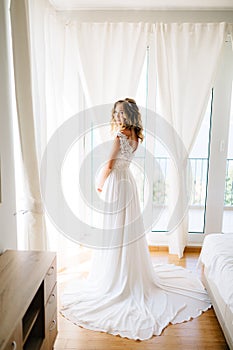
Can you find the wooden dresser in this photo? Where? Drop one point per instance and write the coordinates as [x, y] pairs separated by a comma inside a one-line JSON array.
[[28, 300]]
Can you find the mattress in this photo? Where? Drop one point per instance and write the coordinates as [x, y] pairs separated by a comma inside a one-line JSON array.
[[222, 311], [217, 256]]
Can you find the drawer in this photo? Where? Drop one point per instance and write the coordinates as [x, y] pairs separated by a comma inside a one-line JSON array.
[[15, 340], [50, 280], [52, 331], [51, 307]]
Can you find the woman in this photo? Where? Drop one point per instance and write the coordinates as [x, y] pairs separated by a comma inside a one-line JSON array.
[[124, 294]]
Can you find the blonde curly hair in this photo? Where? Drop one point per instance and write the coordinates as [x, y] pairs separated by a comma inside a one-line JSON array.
[[132, 118]]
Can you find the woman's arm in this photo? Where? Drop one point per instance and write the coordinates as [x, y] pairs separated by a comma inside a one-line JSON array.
[[109, 165]]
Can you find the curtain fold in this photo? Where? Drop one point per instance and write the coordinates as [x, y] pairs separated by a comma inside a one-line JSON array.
[[32, 207], [187, 56], [57, 96], [8, 235]]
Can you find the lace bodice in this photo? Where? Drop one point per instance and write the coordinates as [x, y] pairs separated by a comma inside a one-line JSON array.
[[125, 154]]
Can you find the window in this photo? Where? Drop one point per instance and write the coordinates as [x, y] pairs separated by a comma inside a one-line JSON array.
[[199, 161], [228, 193]]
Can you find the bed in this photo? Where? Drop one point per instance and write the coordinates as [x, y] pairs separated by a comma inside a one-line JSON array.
[[217, 260]]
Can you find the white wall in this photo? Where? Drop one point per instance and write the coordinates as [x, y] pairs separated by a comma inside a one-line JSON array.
[[8, 234]]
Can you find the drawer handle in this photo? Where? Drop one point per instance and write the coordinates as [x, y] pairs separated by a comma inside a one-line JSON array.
[[51, 270], [52, 298], [52, 325], [14, 345]]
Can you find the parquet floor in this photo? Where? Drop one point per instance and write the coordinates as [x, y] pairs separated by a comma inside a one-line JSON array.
[[202, 333]]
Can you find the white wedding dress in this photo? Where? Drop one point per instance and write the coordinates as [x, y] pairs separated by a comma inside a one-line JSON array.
[[124, 294]]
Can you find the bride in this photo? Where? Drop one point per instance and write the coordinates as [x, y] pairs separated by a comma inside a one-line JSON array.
[[124, 294]]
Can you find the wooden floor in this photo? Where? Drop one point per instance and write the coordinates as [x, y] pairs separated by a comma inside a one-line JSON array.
[[202, 333]]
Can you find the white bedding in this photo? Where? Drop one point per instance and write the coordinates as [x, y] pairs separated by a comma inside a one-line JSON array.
[[217, 256]]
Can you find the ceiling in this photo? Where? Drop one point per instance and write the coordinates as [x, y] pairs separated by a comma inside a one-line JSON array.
[[216, 5]]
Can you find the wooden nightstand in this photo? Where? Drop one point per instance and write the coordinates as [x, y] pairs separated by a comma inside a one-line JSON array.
[[28, 300]]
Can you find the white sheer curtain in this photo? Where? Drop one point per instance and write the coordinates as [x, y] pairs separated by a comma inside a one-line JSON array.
[[187, 57], [57, 96], [78, 65], [31, 205], [112, 57]]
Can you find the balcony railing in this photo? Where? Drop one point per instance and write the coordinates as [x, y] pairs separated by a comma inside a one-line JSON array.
[[199, 173], [228, 193]]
